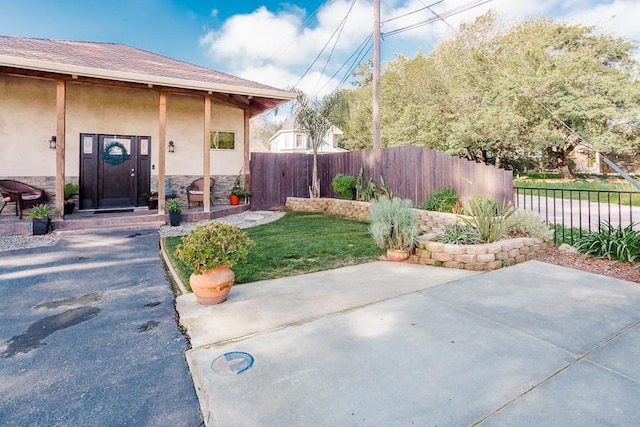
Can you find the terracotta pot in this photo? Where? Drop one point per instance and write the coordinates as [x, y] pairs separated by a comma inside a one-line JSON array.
[[212, 286], [397, 255], [233, 199]]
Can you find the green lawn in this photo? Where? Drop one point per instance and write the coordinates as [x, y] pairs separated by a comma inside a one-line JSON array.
[[296, 244]]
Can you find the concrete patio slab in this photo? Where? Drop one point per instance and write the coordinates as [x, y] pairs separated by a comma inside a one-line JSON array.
[[584, 395], [258, 307], [572, 309], [405, 361], [532, 344]]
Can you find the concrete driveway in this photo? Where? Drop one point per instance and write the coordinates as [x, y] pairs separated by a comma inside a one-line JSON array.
[[88, 336], [396, 345]]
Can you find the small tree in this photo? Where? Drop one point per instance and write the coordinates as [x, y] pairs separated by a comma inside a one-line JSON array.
[[316, 118]]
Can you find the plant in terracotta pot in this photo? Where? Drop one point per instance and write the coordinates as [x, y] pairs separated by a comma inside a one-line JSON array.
[[174, 207], [210, 250], [394, 226], [238, 191], [70, 190], [40, 217]]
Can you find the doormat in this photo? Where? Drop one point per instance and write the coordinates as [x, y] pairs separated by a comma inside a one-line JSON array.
[[115, 210]]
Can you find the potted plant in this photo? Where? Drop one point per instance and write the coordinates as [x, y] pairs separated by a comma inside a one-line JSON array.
[[70, 190], [174, 207], [210, 250], [394, 226], [152, 199], [40, 217], [238, 193]]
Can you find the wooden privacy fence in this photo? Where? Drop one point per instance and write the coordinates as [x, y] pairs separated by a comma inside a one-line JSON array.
[[409, 172]]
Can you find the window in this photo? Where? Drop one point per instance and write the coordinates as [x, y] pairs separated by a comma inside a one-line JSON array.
[[299, 140], [221, 140]]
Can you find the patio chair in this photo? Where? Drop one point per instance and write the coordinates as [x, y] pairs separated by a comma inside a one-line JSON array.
[[23, 195], [195, 191]]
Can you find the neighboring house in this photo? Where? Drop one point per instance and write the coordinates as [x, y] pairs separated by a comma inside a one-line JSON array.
[[291, 139], [69, 109]]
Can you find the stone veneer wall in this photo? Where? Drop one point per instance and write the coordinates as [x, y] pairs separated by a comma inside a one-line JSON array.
[[480, 257], [179, 184], [48, 183]]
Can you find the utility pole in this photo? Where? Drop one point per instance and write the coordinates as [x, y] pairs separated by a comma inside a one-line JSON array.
[[376, 74]]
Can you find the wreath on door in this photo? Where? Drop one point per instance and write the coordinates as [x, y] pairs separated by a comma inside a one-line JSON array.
[[114, 153]]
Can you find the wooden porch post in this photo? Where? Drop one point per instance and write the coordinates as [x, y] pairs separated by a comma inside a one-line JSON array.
[[60, 146], [162, 137], [247, 169], [206, 154]]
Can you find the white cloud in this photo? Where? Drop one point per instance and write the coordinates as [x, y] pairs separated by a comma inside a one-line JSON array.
[[619, 18], [276, 47]]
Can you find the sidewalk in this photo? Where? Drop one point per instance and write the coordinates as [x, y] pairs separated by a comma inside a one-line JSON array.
[[398, 344]]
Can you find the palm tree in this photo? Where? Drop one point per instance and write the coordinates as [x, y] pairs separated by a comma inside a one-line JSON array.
[[316, 117]]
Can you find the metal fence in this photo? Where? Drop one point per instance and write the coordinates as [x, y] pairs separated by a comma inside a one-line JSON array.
[[576, 212]]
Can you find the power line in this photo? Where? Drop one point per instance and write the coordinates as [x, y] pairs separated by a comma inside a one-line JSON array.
[[411, 13], [455, 11], [344, 21], [282, 47], [357, 54], [326, 44]]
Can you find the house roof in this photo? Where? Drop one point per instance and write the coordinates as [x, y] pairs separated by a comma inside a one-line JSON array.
[[117, 62]]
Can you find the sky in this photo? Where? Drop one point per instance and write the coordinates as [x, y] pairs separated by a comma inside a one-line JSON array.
[[276, 42]]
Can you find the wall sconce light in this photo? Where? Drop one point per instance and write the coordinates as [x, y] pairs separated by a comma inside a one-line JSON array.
[[172, 147], [52, 143]]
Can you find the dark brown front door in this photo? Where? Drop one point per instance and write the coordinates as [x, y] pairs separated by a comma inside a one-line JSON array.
[[114, 170]]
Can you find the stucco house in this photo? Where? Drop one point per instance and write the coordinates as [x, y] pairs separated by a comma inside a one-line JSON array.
[[291, 139], [119, 120]]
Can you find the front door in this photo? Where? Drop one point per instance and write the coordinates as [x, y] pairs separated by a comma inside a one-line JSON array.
[[114, 170]]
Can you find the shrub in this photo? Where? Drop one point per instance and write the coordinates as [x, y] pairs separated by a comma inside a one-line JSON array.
[[443, 200], [41, 211], [212, 245], [529, 223], [70, 190], [612, 243], [489, 218], [459, 234], [393, 223], [343, 186], [173, 205]]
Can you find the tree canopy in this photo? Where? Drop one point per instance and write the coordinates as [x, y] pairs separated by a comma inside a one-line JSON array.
[[495, 93]]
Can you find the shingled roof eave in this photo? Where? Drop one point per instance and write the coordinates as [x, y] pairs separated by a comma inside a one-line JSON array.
[[100, 73]]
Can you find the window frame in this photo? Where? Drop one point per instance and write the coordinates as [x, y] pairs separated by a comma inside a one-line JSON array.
[[212, 132]]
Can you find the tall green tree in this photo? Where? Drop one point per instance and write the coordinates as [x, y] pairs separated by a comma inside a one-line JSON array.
[[316, 117], [497, 92]]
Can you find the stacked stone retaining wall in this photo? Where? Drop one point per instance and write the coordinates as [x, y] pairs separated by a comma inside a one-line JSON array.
[[428, 221], [480, 257]]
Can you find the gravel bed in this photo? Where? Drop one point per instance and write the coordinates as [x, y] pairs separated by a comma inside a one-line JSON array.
[[12, 242], [241, 220]]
